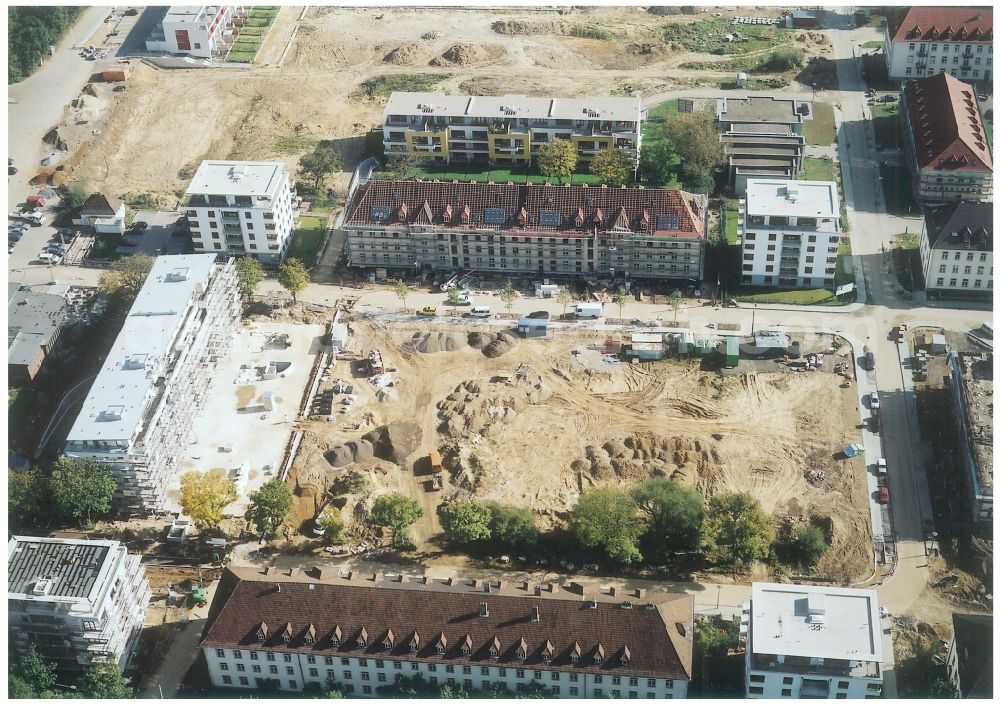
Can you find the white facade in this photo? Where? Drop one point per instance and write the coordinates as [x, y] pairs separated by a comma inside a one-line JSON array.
[[960, 269], [917, 58], [791, 233], [361, 677], [813, 642], [142, 404], [202, 31], [242, 208], [77, 601]]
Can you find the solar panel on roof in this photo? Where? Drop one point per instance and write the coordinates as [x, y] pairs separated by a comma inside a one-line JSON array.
[[494, 217], [666, 223], [380, 213], [548, 218]]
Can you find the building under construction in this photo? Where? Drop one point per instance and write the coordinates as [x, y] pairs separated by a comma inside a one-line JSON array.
[[140, 408]]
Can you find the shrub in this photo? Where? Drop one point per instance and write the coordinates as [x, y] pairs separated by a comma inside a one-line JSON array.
[[783, 60]]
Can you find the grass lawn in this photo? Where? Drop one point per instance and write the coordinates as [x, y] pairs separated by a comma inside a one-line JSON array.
[[653, 133], [105, 247], [906, 260], [662, 109], [306, 239], [732, 221], [707, 36], [770, 295], [486, 173], [292, 145], [841, 276], [821, 129], [885, 123], [251, 36], [381, 86], [874, 44], [818, 169], [898, 191]]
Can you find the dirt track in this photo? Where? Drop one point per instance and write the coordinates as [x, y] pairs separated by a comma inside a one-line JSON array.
[[600, 424]]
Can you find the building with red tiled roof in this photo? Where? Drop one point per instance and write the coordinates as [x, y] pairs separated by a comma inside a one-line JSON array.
[[924, 41], [945, 141], [302, 629], [528, 229]]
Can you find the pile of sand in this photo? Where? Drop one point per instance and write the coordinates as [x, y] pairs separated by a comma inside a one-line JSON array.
[[405, 54], [644, 455], [395, 442], [472, 408], [493, 345], [356, 452], [513, 28], [436, 341], [470, 55]]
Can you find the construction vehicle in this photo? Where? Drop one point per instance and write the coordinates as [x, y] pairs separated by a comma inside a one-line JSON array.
[[434, 461], [427, 312]]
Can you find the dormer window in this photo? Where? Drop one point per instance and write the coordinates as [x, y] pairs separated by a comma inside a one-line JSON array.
[[262, 632], [310, 637], [520, 654], [362, 643], [335, 642], [286, 635], [626, 656], [389, 640], [413, 646], [387, 644], [547, 657], [439, 648], [442, 644], [494, 653], [574, 659]]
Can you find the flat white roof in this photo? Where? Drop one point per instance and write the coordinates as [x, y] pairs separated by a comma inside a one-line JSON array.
[[512, 106], [191, 13], [647, 337], [781, 625], [225, 177], [779, 197], [117, 399]]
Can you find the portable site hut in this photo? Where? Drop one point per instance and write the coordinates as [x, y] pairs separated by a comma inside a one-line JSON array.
[[732, 354], [685, 343], [532, 328], [647, 346], [338, 336], [704, 347]]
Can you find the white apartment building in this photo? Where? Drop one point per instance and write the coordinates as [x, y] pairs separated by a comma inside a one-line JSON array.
[[242, 208], [78, 602], [923, 41], [507, 129], [791, 232], [809, 642], [203, 31], [956, 250], [141, 406], [295, 630]]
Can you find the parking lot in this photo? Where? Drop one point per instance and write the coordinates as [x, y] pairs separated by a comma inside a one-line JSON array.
[[156, 239]]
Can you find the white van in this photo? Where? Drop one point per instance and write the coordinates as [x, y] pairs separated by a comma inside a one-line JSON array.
[[481, 311]]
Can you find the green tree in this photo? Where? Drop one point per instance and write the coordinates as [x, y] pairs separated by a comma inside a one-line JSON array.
[[249, 274], [655, 162], [783, 59], [127, 276], [269, 506], [564, 297], [512, 529], [31, 677], [293, 276], [620, 298], [396, 511], [608, 520], [104, 681], [402, 291], [453, 293], [204, 495], [73, 200], [27, 495], [332, 523], [30, 33], [737, 530], [675, 303], [353, 483], [507, 295], [806, 545], [401, 165], [465, 523], [319, 164], [675, 514], [556, 159], [612, 166], [82, 488], [696, 141]]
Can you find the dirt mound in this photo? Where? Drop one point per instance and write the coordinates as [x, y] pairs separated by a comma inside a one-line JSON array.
[[512, 28], [430, 35], [404, 55], [435, 341], [645, 455], [356, 452], [474, 407], [395, 442], [470, 55], [492, 345]]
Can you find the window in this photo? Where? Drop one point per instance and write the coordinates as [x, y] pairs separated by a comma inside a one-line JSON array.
[[841, 695], [237, 654], [943, 269], [759, 689], [979, 283], [573, 692], [484, 671], [256, 668], [313, 672], [616, 680], [633, 682], [651, 682], [220, 653], [363, 662], [669, 684], [379, 664], [367, 689], [756, 678], [345, 661], [270, 656], [787, 681], [940, 281], [842, 685], [520, 673], [288, 658], [598, 679], [311, 659], [449, 668], [364, 675], [598, 693], [873, 686], [347, 675], [290, 670], [240, 668], [274, 670], [952, 282], [397, 665], [223, 666], [616, 693], [328, 660], [538, 675], [381, 677], [555, 677], [226, 680], [253, 655], [786, 692], [965, 283], [633, 694]]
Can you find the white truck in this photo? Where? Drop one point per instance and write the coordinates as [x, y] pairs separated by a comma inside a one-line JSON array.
[[589, 310]]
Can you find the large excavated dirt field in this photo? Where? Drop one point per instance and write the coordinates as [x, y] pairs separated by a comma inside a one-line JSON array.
[[150, 136], [573, 421]]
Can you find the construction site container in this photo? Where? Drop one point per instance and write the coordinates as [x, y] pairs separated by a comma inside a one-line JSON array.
[[685, 343], [732, 352], [116, 72]]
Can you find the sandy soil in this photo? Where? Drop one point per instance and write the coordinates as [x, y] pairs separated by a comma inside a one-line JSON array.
[[149, 136], [575, 421]]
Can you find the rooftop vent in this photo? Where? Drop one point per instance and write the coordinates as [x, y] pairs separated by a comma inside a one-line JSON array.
[[112, 413], [237, 173], [136, 362], [42, 587], [177, 275]]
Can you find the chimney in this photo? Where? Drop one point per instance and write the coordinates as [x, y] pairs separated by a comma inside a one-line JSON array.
[[484, 610], [553, 587], [640, 593], [535, 615]]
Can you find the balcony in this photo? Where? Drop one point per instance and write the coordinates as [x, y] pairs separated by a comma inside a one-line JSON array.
[[788, 271], [814, 688]]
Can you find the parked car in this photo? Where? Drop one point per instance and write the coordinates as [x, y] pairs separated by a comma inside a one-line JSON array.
[[882, 468], [873, 401], [49, 258], [883, 495], [137, 227], [14, 236], [887, 99], [873, 423]]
